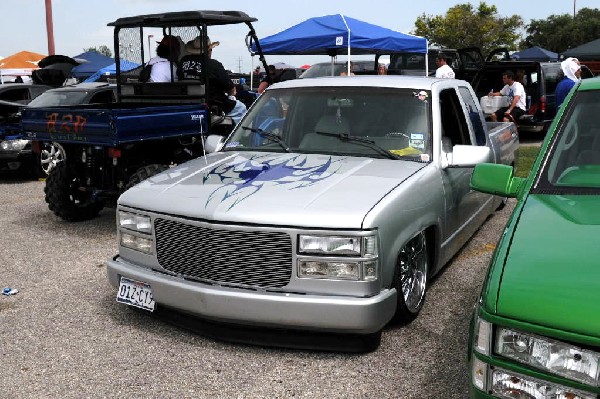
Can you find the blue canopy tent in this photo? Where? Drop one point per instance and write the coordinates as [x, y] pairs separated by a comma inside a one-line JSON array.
[[94, 61], [112, 70], [337, 34], [535, 53]]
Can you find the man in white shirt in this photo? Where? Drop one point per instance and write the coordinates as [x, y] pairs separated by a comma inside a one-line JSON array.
[[516, 96], [444, 71]]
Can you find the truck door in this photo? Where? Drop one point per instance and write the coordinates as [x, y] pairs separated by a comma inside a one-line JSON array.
[[462, 203]]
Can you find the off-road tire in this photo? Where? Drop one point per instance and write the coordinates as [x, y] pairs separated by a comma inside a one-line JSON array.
[[65, 199], [145, 172]]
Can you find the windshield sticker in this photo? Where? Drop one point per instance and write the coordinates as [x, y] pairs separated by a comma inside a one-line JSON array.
[[421, 95], [244, 177], [233, 144], [417, 140], [425, 157]]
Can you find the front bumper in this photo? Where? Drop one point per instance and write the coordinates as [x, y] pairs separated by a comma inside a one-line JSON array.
[[336, 314]]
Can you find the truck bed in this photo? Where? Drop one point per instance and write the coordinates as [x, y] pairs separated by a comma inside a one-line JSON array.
[[113, 124]]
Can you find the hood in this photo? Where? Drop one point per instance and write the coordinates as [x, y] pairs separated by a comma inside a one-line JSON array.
[[552, 273], [273, 189]]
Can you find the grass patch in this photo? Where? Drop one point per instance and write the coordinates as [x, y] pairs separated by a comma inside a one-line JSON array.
[[525, 157]]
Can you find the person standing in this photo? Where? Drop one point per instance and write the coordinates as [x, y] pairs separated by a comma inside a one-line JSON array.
[[444, 71], [572, 71], [516, 95]]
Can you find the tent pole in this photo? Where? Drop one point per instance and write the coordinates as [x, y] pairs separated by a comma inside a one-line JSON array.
[[348, 62], [426, 57], [251, 72]]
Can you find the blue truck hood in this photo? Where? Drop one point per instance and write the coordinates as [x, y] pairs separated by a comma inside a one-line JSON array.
[[272, 188]]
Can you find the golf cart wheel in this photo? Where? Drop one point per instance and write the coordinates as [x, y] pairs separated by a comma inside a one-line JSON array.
[[66, 198]]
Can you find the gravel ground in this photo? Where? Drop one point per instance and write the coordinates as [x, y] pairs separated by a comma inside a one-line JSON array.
[[64, 336]]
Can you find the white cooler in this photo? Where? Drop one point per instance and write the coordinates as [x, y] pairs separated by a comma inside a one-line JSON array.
[[490, 105]]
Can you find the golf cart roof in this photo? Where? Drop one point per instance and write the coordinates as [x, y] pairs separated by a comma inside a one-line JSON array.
[[184, 18]]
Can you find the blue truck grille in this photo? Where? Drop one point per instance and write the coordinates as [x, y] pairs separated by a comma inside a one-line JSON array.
[[250, 258]]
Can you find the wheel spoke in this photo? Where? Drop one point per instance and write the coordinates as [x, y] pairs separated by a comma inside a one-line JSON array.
[[413, 272]]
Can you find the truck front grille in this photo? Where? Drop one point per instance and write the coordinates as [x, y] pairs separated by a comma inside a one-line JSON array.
[[251, 258]]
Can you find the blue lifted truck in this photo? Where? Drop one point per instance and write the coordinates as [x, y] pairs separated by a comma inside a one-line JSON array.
[[151, 126]]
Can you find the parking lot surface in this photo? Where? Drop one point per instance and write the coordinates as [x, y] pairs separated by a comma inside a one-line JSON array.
[[63, 335]]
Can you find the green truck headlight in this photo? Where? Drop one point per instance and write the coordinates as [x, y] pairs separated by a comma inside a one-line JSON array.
[[549, 355], [506, 384]]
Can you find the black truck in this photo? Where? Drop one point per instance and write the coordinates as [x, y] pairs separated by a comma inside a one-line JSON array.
[[151, 126]]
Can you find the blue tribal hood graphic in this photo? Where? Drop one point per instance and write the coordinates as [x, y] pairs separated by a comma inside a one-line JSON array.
[[242, 177]]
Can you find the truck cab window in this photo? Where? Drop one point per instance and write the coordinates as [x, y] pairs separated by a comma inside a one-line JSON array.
[[454, 124], [474, 115]]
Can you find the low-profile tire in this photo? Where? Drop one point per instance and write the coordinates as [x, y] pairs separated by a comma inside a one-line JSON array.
[[51, 154], [410, 278], [65, 198], [145, 172]]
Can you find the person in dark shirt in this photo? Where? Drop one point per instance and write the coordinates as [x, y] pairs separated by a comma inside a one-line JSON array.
[[219, 83]]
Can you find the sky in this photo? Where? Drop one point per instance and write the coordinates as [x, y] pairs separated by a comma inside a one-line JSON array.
[[80, 24]]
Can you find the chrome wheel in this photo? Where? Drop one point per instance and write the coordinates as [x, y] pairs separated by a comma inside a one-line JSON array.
[[413, 265], [50, 155]]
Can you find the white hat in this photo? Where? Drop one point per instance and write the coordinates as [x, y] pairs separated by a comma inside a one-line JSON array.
[[195, 46], [569, 67]]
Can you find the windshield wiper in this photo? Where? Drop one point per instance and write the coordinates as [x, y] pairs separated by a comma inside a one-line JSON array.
[[270, 136], [361, 140]]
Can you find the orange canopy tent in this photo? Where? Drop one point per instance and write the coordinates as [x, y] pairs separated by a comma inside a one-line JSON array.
[[21, 63]]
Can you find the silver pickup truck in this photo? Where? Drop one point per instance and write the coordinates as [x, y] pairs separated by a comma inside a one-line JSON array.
[[328, 208]]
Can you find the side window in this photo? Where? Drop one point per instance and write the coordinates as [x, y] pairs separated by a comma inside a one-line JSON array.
[[103, 97], [474, 115], [454, 123], [20, 95]]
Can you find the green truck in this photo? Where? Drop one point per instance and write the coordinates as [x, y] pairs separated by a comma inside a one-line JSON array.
[[536, 327]]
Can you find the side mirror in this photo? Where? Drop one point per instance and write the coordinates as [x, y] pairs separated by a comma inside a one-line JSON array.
[[213, 143], [496, 179], [467, 156]]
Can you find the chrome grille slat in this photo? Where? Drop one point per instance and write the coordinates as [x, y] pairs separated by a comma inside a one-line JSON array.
[[258, 259]]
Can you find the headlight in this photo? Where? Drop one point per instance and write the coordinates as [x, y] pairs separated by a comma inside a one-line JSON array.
[[142, 244], [346, 250], [318, 269], [547, 354], [131, 221], [507, 384], [339, 246], [13, 145]]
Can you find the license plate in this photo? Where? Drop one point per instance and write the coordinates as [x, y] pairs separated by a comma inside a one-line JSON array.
[[135, 293]]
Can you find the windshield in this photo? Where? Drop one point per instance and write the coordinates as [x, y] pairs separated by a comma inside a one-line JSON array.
[[325, 69], [57, 98], [574, 159], [352, 121]]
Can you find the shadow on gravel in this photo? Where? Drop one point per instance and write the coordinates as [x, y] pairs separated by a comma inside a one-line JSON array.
[[43, 220], [16, 178]]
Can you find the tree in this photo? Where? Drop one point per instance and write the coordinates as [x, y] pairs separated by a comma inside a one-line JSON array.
[[104, 50], [559, 33], [464, 26]]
